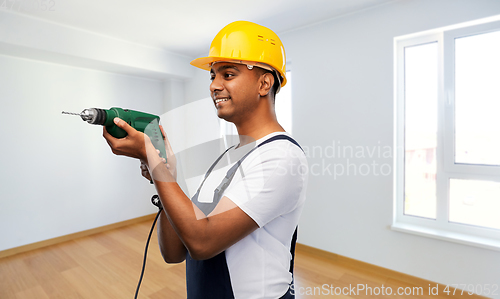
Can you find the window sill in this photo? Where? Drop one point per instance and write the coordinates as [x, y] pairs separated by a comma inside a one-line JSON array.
[[476, 241]]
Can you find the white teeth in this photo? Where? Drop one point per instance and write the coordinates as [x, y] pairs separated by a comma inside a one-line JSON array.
[[221, 100]]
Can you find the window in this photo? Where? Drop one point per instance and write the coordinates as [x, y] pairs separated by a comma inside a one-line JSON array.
[[284, 104], [447, 99]]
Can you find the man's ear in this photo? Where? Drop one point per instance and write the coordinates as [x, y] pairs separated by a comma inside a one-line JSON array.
[[266, 83]]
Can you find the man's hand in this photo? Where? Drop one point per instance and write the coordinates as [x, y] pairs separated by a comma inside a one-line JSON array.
[[171, 162], [135, 145], [145, 172]]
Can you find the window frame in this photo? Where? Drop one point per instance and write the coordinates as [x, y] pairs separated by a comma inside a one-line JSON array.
[[446, 168]]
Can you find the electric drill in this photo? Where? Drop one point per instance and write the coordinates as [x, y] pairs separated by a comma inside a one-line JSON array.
[[147, 123]]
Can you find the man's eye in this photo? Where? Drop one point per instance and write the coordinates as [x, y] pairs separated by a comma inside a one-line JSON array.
[[227, 75]]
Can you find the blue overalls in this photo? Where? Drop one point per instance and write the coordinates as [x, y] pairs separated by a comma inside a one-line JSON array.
[[210, 278]]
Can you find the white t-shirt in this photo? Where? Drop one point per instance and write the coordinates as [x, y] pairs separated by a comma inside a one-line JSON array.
[[269, 186]]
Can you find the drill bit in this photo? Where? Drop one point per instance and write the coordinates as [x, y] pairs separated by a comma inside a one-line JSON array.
[[91, 115], [71, 113]]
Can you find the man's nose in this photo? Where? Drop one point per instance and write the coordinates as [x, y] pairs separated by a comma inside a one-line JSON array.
[[216, 84]]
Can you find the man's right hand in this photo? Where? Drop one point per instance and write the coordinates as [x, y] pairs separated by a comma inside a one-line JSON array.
[[145, 172], [144, 169]]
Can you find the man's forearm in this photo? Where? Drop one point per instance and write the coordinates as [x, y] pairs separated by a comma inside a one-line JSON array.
[[182, 218], [185, 219], [171, 247]]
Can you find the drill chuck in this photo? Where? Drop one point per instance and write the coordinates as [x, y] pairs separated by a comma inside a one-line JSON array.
[[94, 116]]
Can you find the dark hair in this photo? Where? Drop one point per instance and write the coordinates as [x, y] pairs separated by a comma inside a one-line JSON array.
[[276, 85]]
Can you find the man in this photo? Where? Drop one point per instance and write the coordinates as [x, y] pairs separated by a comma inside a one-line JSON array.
[[235, 234]]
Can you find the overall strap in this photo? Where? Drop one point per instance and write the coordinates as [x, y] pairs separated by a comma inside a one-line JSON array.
[[231, 172], [207, 207], [209, 171], [279, 137]]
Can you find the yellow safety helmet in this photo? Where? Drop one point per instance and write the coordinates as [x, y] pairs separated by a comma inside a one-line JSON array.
[[247, 43]]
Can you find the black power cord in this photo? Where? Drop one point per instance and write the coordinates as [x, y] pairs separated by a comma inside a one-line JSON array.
[[155, 200]]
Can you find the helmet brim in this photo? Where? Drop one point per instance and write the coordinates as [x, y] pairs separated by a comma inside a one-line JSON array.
[[205, 63]]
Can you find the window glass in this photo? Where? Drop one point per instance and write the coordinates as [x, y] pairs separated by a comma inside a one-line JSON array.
[[421, 71], [475, 202], [477, 99]]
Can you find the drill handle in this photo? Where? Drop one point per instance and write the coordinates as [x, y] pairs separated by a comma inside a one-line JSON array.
[[156, 136]]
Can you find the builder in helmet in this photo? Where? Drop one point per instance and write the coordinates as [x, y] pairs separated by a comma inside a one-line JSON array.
[[237, 234]]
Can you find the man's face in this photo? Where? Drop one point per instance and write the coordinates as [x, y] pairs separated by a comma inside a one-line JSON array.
[[234, 90]]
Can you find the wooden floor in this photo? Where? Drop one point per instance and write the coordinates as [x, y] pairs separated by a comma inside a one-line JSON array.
[[107, 265]]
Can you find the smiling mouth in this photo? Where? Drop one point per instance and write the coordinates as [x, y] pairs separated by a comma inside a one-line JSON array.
[[221, 100]]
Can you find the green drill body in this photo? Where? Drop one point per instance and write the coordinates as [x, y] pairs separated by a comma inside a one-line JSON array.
[[147, 123]]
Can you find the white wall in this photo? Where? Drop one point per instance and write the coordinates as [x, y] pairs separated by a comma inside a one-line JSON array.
[[343, 96], [34, 38], [198, 86], [58, 175]]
